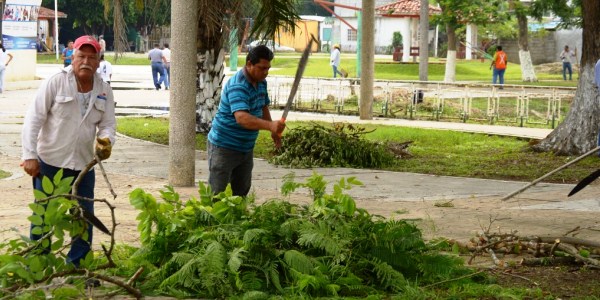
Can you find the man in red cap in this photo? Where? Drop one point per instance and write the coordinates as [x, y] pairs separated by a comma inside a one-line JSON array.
[[72, 110]]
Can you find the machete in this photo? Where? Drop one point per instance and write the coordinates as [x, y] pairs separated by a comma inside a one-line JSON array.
[[88, 216], [299, 72], [584, 182]]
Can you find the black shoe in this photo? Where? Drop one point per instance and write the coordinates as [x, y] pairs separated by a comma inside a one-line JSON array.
[[92, 283]]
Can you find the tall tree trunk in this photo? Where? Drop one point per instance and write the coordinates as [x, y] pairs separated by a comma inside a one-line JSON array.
[[424, 41], [578, 133], [182, 134], [450, 75], [367, 63], [120, 29], [527, 70]]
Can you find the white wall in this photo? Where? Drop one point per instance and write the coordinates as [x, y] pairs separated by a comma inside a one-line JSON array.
[[571, 37], [22, 67], [384, 33]]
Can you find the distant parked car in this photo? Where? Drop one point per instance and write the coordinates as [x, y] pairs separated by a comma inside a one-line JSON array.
[[275, 47]]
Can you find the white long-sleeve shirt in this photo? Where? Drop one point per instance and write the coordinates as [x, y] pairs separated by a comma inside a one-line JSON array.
[[568, 56], [54, 129], [335, 57]]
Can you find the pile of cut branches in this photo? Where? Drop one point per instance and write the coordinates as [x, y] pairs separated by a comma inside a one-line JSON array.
[[536, 250], [342, 145]]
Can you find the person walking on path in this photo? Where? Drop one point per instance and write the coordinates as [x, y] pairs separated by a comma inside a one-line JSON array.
[[102, 43], [335, 61], [157, 60], [5, 59], [499, 63], [105, 69], [568, 57], [167, 54], [243, 111], [67, 54], [71, 111]]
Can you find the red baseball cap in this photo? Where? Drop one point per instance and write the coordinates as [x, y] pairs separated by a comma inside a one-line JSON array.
[[87, 40]]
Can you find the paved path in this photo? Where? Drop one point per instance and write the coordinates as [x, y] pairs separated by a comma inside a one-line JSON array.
[[137, 157]]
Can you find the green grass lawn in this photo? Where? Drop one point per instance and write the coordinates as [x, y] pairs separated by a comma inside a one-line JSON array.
[[385, 69], [127, 59], [438, 152]]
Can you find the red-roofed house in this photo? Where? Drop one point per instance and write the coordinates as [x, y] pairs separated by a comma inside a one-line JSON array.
[[405, 12], [391, 16]]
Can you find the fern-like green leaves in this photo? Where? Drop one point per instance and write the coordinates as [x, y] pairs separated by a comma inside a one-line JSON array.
[[222, 246]]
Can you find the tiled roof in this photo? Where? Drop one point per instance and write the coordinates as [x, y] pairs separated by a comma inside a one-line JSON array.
[[46, 13], [405, 8]]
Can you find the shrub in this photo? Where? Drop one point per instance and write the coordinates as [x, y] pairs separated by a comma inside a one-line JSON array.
[[343, 145]]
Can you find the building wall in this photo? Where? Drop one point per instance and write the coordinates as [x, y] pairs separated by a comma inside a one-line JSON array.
[[541, 49], [302, 35], [547, 48], [571, 37], [22, 67]]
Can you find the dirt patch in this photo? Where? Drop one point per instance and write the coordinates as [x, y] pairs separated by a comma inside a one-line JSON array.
[[564, 282], [458, 219], [554, 68]]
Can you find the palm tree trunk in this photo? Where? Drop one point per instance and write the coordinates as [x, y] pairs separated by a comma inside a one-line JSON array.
[[120, 29], [578, 133], [208, 87]]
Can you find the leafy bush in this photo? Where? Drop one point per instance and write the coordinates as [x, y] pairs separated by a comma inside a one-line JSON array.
[[396, 39], [225, 246], [56, 217], [340, 146]]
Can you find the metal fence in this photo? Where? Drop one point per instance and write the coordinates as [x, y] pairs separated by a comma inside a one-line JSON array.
[[518, 105]]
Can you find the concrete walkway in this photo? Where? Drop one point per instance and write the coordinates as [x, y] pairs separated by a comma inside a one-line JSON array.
[[136, 157]]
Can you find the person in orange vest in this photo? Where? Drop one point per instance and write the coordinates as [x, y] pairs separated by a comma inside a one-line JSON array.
[[499, 63]]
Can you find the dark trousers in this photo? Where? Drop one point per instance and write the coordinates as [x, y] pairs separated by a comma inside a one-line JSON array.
[[79, 247], [567, 67], [228, 166], [498, 73]]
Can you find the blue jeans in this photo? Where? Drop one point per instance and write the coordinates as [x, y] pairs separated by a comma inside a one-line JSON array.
[[229, 166], [335, 72], [167, 75], [79, 247], [158, 69], [498, 73], [567, 66]]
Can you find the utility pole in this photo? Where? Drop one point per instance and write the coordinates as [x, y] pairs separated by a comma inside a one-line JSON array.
[[367, 57], [56, 28], [424, 40], [182, 124]]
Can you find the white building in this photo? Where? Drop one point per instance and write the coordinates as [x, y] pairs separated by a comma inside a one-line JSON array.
[[391, 16]]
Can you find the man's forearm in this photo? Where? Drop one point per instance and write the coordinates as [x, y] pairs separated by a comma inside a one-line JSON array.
[[251, 122]]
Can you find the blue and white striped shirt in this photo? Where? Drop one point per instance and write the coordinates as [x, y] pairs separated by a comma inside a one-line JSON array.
[[238, 95]]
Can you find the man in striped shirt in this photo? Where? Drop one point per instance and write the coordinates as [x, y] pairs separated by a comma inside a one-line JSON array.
[[243, 111]]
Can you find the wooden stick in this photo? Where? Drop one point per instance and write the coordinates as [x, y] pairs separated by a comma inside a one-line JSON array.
[[550, 173]]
